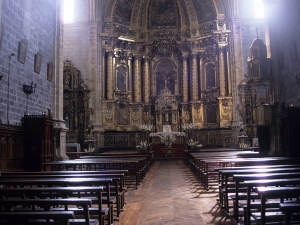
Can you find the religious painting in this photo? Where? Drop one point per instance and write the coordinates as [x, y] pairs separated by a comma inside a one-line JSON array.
[[293, 51], [211, 114], [205, 10], [121, 78], [23, 45], [123, 11], [38, 62], [50, 71], [123, 117], [261, 92], [163, 13], [210, 76], [165, 76], [1, 35]]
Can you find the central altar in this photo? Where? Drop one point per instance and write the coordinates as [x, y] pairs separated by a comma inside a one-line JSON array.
[[180, 136]]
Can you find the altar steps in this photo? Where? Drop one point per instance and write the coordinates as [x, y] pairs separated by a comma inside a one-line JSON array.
[[160, 151]]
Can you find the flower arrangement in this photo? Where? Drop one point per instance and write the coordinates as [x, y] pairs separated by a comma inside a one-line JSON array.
[[167, 139], [189, 126], [244, 145], [143, 146], [194, 145], [144, 127]]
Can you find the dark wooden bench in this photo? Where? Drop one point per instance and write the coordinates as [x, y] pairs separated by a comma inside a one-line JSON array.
[[16, 218], [10, 205], [273, 192], [61, 192], [227, 184], [289, 209], [242, 180], [63, 182]]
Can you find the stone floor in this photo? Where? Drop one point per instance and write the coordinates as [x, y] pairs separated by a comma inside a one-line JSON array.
[[170, 194]]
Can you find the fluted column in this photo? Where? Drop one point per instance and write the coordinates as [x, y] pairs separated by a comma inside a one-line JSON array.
[[194, 81], [222, 72], [201, 76], [185, 91], [137, 79], [146, 80], [109, 80], [228, 72]]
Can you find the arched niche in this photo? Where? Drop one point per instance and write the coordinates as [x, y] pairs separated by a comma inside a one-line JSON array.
[[165, 76]]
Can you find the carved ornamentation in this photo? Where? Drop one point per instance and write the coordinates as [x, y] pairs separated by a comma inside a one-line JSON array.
[[210, 96], [191, 10], [135, 11]]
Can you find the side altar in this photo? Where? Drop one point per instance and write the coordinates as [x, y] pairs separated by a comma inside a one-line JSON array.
[[160, 150]]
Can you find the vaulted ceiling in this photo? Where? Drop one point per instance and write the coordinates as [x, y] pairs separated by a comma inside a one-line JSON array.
[[154, 14]]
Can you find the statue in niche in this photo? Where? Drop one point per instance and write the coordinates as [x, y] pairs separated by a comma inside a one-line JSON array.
[[211, 112], [210, 76], [121, 78], [123, 116], [165, 76], [67, 80], [67, 120]]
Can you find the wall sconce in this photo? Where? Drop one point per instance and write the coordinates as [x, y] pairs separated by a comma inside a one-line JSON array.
[[298, 79], [29, 89]]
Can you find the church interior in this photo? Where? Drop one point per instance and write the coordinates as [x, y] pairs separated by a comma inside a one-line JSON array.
[[169, 79]]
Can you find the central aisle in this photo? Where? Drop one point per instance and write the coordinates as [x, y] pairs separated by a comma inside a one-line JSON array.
[[171, 195]]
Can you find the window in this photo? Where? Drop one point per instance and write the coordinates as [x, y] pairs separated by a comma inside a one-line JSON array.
[[259, 9], [68, 11]]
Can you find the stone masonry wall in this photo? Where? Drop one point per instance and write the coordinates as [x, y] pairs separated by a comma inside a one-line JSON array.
[[34, 21]]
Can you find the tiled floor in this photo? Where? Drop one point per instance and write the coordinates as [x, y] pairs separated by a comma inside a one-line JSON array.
[[170, 194]]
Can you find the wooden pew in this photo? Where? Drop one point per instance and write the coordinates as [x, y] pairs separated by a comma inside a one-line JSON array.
[[251, 184], [245, 181], [60, 192], [132, 165], [268, 193], [17, 218], [9, 204], [289, 209], [117, 179], [63, 182], [226, 176]]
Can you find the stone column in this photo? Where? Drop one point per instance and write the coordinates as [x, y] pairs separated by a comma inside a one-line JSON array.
[[228, 72], [201, 81], [109, 82], [185, 91], [130, 77], [59, 127], [146, 80], [137, 79], [103, 74], [194, 81], [222, 72]]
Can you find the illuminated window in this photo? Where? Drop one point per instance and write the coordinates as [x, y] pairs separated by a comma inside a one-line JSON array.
[[259, 9], [68, 12]]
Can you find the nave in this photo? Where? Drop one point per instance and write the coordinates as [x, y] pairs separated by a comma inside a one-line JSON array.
[[170, 194]]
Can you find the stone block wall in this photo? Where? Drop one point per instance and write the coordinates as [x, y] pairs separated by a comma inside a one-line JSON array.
[[35, 22]]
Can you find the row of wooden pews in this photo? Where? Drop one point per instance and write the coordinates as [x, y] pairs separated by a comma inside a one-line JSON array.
[[92, 192], [253, 188]]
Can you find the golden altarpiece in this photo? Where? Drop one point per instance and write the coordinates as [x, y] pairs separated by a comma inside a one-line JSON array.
[[76, 108], [258, 98], [165, 63]]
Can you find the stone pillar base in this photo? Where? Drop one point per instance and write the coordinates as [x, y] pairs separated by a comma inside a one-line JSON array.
[[60, 132]]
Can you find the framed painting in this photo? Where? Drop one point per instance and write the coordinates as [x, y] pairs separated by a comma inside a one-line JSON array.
[[1, 35], [23, 45], [50, 71], [38, 62]]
